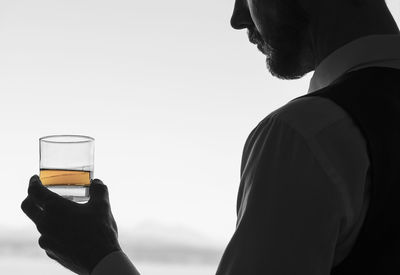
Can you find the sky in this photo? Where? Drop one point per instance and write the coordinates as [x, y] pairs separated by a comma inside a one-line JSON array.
[[168, 90]]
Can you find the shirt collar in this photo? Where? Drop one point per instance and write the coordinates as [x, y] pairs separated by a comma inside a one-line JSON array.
[[367, 51]]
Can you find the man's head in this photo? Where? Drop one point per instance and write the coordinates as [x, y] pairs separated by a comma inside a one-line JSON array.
[[296, 35]]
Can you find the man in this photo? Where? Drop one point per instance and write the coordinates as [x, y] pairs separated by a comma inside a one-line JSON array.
[[305, 186]]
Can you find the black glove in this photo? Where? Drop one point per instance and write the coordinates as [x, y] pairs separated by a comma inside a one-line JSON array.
[[76, 235]]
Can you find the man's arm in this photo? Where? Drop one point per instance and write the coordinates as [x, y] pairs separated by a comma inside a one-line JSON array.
[[115, 263], [288, 208], [288, 216]]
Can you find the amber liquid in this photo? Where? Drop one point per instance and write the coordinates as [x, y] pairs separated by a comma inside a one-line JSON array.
[[55, 177]]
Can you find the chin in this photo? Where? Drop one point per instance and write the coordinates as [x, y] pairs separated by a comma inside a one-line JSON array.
[[283, 68]]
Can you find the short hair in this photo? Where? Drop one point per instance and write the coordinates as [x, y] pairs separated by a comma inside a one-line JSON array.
[[363, 2]]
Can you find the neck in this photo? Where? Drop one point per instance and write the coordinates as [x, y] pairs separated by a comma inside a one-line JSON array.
[[328, 33]]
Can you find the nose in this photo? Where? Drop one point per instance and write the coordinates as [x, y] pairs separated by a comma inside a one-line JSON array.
[[241, 17]]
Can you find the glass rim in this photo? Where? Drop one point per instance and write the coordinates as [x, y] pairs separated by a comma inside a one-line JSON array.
[[86, 139]]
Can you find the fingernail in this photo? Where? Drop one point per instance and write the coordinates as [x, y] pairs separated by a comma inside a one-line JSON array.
[[33, 179], [97, 181]]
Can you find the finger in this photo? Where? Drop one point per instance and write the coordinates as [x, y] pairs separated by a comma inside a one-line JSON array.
[[40, 192], [115, 227], [44, 242], [48, 244], [98, 191], [53, 256], [32, 210], [64, 263]]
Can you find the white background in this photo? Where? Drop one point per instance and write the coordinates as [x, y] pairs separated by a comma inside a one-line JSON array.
[[168, 90]]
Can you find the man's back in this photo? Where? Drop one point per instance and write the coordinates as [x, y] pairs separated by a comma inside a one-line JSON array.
[[306, 162], [341, 150], [371, 96]]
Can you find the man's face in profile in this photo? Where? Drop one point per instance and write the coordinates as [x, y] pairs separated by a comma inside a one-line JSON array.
[[279, 28]]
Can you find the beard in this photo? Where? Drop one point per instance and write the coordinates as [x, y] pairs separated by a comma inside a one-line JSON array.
[[286, 43], [288, 57]]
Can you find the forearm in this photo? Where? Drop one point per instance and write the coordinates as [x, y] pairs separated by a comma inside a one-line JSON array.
[[115, 263]]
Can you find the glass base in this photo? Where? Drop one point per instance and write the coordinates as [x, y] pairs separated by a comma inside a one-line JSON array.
[[79, 194]]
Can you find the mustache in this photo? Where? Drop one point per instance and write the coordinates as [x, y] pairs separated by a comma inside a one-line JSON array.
[[254, 36]]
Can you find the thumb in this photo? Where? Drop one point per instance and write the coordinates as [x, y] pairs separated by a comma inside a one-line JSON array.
[[98, 191]]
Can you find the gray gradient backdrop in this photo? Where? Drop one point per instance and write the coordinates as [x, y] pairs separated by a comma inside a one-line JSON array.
[[168, 90]]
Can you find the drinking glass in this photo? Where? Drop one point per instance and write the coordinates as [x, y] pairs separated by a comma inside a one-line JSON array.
[[67, 165]]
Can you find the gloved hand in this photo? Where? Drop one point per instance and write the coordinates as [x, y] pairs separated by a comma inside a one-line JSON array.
[[77, 236]]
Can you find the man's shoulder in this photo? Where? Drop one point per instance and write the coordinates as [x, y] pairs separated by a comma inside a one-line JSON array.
[[309, 115]]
